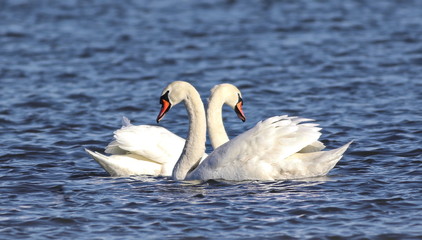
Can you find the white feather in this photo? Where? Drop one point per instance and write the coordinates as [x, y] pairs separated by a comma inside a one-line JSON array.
[[126, 165]]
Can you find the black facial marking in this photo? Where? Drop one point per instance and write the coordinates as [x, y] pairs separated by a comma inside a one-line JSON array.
[[165, 96], [240, 98]]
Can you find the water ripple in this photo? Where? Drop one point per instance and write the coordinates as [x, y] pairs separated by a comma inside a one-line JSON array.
[[70, 70]]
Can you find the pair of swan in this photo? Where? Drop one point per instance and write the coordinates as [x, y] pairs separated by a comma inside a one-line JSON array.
[[154, 150], [279, 147], [273, 149]]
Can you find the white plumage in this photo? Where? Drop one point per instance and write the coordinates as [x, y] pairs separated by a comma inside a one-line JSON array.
[[279, 147], [142, 149], [154, 150], [269, 151]]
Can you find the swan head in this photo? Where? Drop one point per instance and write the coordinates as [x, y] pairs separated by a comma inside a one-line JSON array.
[[173, 94], [231, 96]]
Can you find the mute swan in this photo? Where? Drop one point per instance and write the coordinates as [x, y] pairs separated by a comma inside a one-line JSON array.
[[268, 151], [229, 94], [154, 150]]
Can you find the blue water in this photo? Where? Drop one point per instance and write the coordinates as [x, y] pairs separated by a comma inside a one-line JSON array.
[[69, 70]]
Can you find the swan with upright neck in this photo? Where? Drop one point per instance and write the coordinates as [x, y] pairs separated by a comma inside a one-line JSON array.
[[154, 150], [271, 150], [222, 94]]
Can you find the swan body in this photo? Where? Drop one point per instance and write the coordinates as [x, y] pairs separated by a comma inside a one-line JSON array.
[[154, 150], [280, 147], [269, 151], [140, 149]]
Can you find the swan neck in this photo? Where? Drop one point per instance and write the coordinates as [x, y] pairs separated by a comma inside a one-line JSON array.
[[216, 130], [194, 147]]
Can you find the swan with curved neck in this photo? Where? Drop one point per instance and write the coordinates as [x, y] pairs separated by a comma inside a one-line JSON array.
[[222, 94], [269, 151], [194, 148], [153, 150]]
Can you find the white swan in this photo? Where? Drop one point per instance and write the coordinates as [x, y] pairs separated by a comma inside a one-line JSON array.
[[154, 150], [229, 94], [268, 151]]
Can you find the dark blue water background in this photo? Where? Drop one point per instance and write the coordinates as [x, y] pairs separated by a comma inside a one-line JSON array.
[[69, 70]]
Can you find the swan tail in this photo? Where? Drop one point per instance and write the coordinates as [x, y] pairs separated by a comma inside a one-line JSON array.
[[312, 164], [128, 165], [103, 160], [330, 158]]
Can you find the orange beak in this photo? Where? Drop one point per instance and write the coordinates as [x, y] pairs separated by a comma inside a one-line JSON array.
[[165, 106], [239, 111]]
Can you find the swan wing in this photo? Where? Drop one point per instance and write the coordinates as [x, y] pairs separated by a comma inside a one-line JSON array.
[[154, 143], [313, 147]]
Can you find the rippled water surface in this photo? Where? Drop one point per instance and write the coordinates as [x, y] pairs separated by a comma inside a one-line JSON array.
[[69, 70]]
